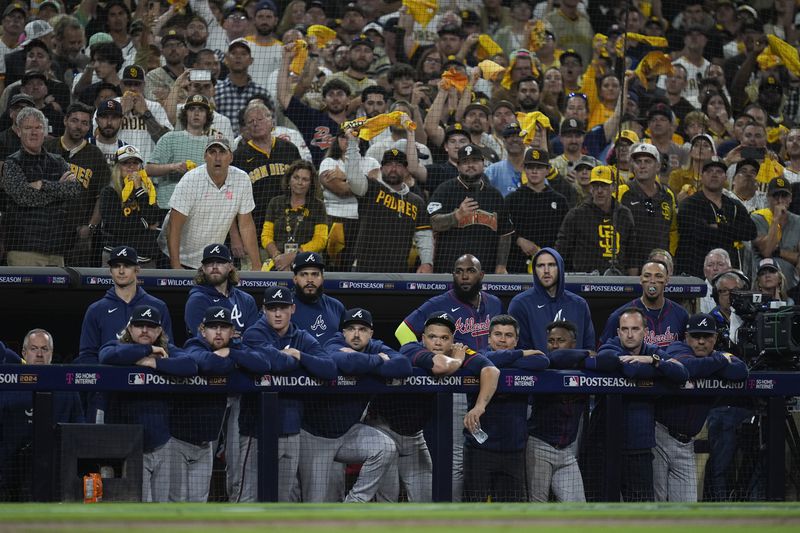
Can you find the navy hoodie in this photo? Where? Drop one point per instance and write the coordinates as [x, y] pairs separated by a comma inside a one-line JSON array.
[[320, 319], [151, 410], [535, 308], [331, 416], [243, 307], [8, 356], [262, 339], [688, 416], [638, 413]]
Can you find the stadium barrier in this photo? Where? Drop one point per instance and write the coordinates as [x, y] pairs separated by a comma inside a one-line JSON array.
[[43, 381]]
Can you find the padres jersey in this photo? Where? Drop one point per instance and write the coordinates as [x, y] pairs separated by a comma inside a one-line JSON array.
[[134, 131], [266, 171], [656, 217], [383, 244]]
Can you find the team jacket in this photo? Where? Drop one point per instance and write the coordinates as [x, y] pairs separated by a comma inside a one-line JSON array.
[[472, 325], [534, 309], [262, 339], [332, 416], [638, 414], [150, 410], [8, 356], [108, 316], [555, 418], [244, 310], [664, 326], [688, 416], [504, 418], [321, 319], [199, 421]]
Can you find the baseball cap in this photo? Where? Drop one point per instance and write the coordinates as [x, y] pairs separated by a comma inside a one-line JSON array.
[[266, 4], [21, 98], [128, 152], [536, 157], [768, 263], [123, 254], [586, 161], [480, 104], [570, 53], [36, 29], [628, 135], [357, 315], [770, 82], [455, 129], [573, 125], [512, 128], [240, 42], [450, 29], [198, 100], [373, 26], [778, 184], [748, 162], [393, 155], [220, 141], [705, 136], [237, 8], [441, 317], [16, 6], [602, 174], [109, 107], [503, 103], [701, 323], [99, 38], [362, 39], [750, 10], [216, 252], [646, 149], [307, 260], [55, 4], [469, 17], [217, 315], [278, 295], [614, 29], [133, 73], [173, 35], [470, 151], [660, 109], [145, 314], [715, 162], [33, 74]]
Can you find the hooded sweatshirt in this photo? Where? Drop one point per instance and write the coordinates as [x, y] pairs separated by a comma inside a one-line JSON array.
[[243, 307]]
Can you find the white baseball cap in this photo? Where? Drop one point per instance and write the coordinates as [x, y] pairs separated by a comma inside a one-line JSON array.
[[646, 149]]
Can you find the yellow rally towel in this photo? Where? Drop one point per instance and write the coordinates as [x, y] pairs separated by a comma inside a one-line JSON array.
[[190, 165], [375, 125], [528, 122], [767, 60], [421, 10], [654, 63], [767, 214], [537, 35], [599, 41], [180, 5], [655, 42], [147, 185], [786, 52], [299, 60], [774, 135], [490, 70], [335, 240], [487, 47], [770, 169], [454, 78], [506, 81], [322, 34]]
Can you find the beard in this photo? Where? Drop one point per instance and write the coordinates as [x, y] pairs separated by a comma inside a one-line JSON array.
[[309, 298], [528, 104], [196, 42], [469, 294]]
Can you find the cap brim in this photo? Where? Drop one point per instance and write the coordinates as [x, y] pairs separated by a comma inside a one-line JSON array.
[[702, 330], [440, 322], [356, 321], [220, 144]]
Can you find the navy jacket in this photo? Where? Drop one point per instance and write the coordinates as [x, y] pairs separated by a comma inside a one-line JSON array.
[[535, 308], [8, 356], [263, 340], [664, 326], [687, 416], [243, 307], [320, 319], [149, 410]]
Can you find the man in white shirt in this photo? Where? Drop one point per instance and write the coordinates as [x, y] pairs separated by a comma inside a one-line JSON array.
[[143, 121], [204, 205]]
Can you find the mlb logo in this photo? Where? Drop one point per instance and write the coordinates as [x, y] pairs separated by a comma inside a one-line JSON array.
[[586, 288], [345, 284], [162, 282], [135, 379], [412, 286], [264, 381], [92, 281], [571, 381]]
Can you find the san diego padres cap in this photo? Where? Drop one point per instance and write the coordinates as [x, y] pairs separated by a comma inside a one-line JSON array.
[[536, 157], [602, 174], [393, 155], [109, 107], [778, 184], [133, 73], [128, 152]]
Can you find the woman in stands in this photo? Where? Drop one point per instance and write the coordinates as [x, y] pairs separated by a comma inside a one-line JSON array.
[[128, 208]]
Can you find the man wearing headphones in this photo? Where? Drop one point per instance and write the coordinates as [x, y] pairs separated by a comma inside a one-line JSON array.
[[724, 314]]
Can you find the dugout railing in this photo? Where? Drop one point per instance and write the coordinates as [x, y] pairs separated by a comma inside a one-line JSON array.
[[42, 381]]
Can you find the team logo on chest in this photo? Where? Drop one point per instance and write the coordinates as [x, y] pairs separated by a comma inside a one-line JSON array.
[[319, 323]]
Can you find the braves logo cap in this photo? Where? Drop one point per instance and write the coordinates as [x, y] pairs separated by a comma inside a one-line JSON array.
[[278, 295], [123, 254], [217, 315], [701, 323], [443, 318], [357, 315], [307, 260], [217, 252], [146, 314]]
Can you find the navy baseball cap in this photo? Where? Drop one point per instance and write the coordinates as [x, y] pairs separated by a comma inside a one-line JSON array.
[[146, 314], [394, 155], [512, 128], [123, 254], [217, 252], [715, 162], [307, 260], [266, 4], [443, 318], [278, 296], [109, 107], [470, 151], [701, 323], [357, 315], [217, 315]]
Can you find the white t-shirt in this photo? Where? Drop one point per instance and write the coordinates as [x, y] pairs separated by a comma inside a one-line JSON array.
[[266, 59], [336, 206], [209, 210]]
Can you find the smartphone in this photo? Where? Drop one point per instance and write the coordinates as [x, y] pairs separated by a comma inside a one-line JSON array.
[[748, 152], [199, 75]]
